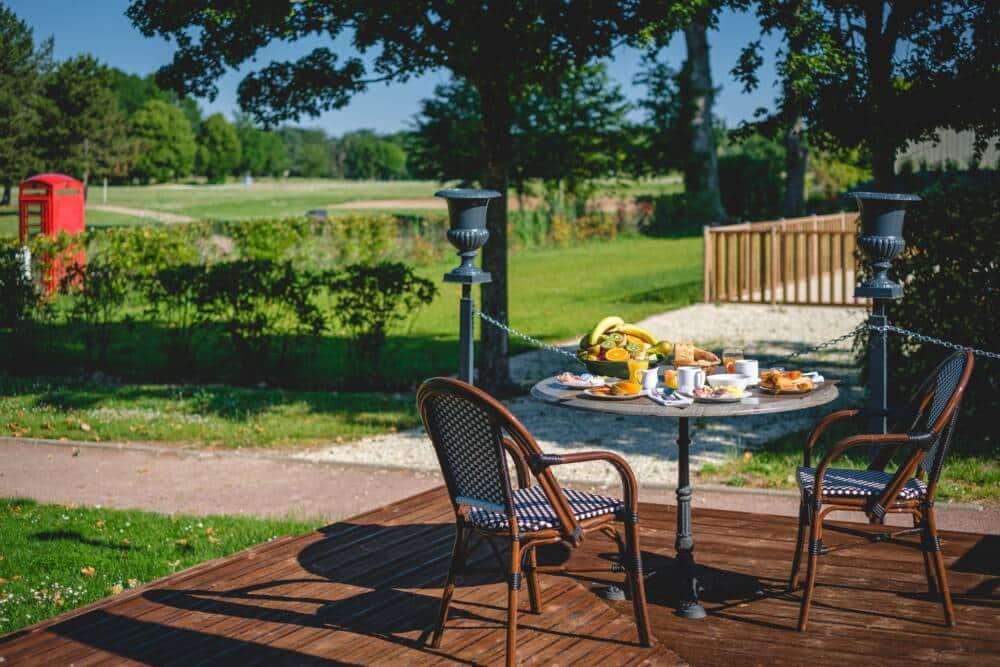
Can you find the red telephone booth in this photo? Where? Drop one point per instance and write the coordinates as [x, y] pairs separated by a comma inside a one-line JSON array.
[[50, 204]]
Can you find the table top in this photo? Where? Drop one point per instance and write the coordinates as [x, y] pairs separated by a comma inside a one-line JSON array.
[[552, 391]]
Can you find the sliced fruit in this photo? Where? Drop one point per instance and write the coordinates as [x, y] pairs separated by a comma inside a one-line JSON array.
[[625, 388], [608, 343], [594, 349], [602, 327], [634, 348], [616, 354], [638, 332]]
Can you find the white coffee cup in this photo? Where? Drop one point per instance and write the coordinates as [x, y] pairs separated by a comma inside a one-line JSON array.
[[748, 367], [649, 379], [690, 378]]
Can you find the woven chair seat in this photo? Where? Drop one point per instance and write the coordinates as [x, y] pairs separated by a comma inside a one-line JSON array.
[[843, 482], [534, 512]]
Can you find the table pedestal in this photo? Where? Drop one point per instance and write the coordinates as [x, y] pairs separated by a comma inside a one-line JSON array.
[[689, 605]]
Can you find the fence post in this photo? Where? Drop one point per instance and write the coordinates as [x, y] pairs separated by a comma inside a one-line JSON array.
[[467, 232], [881, 239], [709, 258]]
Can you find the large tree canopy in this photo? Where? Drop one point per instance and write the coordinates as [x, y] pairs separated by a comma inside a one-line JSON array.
[[876, 73], [498, 47]]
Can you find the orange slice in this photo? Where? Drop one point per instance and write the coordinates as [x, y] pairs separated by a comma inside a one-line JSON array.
[[616, 354]]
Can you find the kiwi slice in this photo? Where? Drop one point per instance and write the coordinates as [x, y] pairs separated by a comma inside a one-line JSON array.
[[617, 337], [608, 343], [633, 347]]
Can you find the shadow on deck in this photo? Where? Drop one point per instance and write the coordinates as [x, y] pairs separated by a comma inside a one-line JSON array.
[[366, 591]]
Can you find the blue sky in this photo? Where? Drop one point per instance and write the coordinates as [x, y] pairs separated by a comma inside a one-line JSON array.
[[101, 28]]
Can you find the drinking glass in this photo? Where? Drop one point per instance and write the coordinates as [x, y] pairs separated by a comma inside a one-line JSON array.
[[635, 369], [730, 356]]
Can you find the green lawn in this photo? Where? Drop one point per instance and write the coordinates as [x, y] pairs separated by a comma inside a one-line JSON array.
[[966, 477], [54, 558], [211, 415]]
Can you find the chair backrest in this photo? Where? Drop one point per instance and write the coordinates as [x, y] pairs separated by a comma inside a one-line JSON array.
[[467, 427], [934, 409]]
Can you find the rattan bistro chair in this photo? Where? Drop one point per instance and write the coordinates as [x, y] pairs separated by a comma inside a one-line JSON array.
[[924, 429], [471, 433]]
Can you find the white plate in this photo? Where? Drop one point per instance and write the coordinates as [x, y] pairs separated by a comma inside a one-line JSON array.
[[723, 399], [609, 397]]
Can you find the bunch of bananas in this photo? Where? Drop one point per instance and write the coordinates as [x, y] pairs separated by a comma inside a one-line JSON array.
[[613, 339]]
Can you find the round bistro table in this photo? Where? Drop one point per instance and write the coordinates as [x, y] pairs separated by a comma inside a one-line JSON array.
[[552, 392]]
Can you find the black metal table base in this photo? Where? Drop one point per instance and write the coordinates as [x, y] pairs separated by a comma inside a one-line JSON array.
[[689, 607]]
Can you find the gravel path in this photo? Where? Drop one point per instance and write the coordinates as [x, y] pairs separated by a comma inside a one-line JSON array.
[[159, 216], [648, 443]]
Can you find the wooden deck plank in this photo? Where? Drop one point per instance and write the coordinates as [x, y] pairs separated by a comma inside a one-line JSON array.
[[366, 591]]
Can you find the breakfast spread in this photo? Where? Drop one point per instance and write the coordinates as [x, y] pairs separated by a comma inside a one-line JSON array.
[[613, 339], [582, 381]]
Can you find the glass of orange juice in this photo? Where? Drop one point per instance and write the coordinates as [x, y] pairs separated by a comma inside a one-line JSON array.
[[635, 369], [670, 378], [730, 356]]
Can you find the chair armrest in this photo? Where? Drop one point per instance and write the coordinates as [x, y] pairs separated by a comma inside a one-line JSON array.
[[818, 430], [520, 463], [869, 440], [630, 488]]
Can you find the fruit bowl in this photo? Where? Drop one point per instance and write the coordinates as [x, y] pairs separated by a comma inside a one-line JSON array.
[[615, 369]]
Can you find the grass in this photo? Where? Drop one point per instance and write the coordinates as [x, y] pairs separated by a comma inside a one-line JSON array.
[[967, 478], [212, 416], [54, 558]]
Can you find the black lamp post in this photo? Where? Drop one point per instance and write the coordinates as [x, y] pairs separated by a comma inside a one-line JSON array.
[[881, 239], [467, 213]]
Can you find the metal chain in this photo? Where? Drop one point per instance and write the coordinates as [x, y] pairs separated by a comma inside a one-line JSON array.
[[534, 341], [829, 343], [864, 326], [923, 338]]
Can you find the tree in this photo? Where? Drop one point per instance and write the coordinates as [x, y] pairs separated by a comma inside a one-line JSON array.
[[446, 134], [308, 151], [701, 168], [219, 149], [132, 90], [167, 144], [500, 48], [22, 64], [262, 151], [82, 131], [876, 74], [366, 155]]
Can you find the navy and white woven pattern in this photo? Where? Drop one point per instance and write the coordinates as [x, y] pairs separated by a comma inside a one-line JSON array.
[[534, 512], [841, 482], [469, 444]]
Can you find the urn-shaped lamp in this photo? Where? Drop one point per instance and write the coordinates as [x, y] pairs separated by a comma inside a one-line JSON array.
[[467, 232], [881, 240]]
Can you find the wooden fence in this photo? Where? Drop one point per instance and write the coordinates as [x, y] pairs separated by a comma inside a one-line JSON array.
[[801, 261]]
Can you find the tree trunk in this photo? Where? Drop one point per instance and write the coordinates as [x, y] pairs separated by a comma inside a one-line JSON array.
[[796, 161], [701, 171], [881, 125], [494, 362]]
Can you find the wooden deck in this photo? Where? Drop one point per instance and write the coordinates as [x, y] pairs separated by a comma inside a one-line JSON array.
[[365, 591]]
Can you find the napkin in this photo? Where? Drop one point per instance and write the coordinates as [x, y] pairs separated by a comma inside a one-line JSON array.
[[814, 376], [671, 400]]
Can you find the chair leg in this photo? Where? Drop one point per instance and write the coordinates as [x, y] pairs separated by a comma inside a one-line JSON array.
[[534, 589], [942, 576], [637, 584], [932, 586], [793, 577], [815, 548], [513, 585], [457, 562]]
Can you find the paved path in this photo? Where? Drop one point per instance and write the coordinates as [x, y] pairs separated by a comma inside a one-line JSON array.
[[173, 480], [159, 216]]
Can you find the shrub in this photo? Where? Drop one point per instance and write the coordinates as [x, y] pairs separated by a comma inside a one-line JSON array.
[[19, 297], [260, 303], [172, 298], [675, 214], [143, 251], [272, 239], [951, 267], [370, 298], [751, 178], [98, 290]]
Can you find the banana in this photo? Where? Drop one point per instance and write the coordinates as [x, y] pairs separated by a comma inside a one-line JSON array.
[[603, 326], [637, 331], [664, 348]]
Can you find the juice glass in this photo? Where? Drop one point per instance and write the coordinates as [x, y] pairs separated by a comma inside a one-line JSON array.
[[730, 356], [635, 369]]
